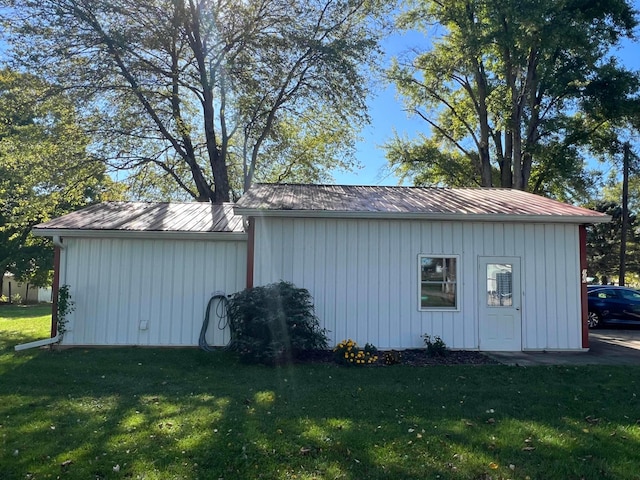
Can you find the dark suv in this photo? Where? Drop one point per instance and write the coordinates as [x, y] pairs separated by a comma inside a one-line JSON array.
[[609, 304]]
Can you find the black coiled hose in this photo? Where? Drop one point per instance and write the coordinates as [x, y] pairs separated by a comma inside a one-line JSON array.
[[221, 313]]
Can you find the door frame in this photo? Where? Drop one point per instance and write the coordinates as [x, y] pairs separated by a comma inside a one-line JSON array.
[[511, 342]]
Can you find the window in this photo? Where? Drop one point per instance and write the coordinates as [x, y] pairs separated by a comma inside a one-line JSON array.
[[630, 295], [499, 285], [438, 282], [603, 293]]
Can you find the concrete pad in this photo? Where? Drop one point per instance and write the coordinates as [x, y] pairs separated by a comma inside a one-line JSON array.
[[606, 347]]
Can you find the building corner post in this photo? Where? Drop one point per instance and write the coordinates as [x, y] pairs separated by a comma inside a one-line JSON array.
[[55, 287], [584, 301], [251, 229]]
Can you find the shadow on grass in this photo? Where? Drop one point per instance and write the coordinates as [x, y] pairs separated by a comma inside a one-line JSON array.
[[10, 339], [186, 414]]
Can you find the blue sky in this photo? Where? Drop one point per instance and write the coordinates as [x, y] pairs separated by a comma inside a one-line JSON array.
[[387, 116]]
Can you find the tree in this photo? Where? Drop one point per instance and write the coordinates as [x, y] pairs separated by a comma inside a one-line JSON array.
[[203, 91], [298, 152], [504, 86], [620, 123], [603, 242], [620, 199], [45, 171]]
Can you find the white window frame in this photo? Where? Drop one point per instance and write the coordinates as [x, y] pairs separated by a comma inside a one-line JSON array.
[[455, 308]]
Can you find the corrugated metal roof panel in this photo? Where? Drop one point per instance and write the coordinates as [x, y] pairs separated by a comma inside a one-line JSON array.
[[308, 200], [150, 217], [321, 200]]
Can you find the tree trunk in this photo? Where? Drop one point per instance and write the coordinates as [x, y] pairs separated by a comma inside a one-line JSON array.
[[527, 161], [517, 154], [513, 178], [222, 192], [625, 214], [506, 176], [529, 94], [221, 188], [486, 176], [485, 163]]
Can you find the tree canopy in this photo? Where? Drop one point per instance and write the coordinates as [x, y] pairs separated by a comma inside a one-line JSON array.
[[211, 94], [45, 171], [512, 91]]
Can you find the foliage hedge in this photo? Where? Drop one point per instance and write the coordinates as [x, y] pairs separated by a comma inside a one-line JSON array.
[[274, 323]]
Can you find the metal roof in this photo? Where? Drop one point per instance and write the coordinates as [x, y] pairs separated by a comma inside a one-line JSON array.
[[140, 217], [482, 204]]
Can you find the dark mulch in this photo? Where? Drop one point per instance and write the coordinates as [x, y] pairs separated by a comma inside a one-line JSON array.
[[420, 357], [415, 357]]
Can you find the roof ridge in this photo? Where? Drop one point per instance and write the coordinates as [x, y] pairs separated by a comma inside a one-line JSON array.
[[360, 201], [144, 202], [415, 187]]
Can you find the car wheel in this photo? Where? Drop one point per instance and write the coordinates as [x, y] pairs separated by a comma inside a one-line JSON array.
[[593, 320]]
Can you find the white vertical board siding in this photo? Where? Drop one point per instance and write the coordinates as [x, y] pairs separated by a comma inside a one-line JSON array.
[[363, 275], [118, 284]]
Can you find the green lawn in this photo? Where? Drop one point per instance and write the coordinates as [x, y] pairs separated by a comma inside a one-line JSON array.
[[182, 413], [21, 324]]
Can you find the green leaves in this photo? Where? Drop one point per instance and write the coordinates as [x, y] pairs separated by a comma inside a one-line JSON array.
[[200, 93], [426, 163], [271, 324], [503, 86], [45, 171], [65, 307]]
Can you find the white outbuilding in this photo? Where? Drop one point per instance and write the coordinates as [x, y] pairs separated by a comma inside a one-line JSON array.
[[484, 269], [142, 273]]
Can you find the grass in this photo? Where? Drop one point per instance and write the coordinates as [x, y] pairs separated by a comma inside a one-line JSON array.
[[183, 413], [23, 323]]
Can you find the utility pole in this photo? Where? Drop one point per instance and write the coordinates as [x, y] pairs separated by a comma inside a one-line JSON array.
[[625, 212]]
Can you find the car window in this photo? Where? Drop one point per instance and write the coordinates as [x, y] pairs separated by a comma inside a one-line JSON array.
[[603, 293], [630, 295]]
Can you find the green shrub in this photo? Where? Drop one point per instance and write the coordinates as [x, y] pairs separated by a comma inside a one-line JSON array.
[[274, 323], [435, 345], [347, 352], [16, 298]]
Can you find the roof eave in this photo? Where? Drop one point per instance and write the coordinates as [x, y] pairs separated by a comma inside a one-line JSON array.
[[139, 234], [468, 217]]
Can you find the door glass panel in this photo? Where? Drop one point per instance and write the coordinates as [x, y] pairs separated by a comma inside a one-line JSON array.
[[499, 285]]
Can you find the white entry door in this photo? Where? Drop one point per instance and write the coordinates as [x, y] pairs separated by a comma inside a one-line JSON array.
[[500, 324]]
